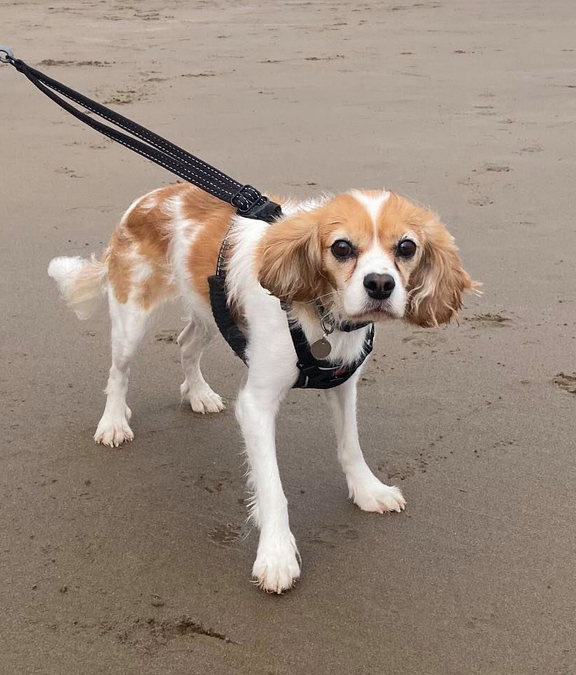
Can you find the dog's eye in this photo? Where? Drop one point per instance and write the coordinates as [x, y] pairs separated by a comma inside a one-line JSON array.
[[342, 249], [406, 249]]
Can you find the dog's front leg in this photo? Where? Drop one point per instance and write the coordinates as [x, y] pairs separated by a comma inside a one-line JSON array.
[[276, 567], [363, 486]]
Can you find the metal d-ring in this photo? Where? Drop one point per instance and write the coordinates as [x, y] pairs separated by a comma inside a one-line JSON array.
[[327, 324], [9, 54]]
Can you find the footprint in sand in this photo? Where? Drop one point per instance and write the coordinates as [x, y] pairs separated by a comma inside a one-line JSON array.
[[170, 335], [332, 535], [97, 64], [497, 168], [566, 382], [226, 534], [488, 320]]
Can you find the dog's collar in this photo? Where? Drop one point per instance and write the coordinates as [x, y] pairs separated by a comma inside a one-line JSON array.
[[328, 321], [317, 351]]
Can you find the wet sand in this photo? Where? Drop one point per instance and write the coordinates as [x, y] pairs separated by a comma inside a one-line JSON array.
[[137, 560]]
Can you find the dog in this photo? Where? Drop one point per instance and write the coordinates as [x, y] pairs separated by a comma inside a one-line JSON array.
[[366, 256]]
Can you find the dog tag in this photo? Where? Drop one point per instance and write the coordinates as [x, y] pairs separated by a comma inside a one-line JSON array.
[[321, 348]]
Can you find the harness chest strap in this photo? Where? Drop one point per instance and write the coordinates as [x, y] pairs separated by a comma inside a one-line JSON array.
[[320, 374]]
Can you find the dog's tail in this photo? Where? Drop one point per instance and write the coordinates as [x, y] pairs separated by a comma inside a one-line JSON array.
[[82, 283]]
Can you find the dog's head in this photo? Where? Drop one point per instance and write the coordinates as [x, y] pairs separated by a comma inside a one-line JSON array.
[[367, 256]]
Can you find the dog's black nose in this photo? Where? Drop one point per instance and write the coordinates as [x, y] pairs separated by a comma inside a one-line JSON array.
[[379, 286]]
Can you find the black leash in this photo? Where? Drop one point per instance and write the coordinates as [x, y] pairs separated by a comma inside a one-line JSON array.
[[247, 200], [314, 372]]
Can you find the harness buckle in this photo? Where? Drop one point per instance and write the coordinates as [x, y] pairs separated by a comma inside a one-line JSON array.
[[250, 203], [306, 369], [8, 54], [246, 198]]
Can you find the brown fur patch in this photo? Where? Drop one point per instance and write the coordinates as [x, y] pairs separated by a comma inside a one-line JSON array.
[[289, 259], [213, 217], [436, 279], [147, 230], [144, 231]]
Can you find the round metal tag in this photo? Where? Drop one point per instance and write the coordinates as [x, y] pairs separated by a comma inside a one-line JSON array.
[[321, 348]]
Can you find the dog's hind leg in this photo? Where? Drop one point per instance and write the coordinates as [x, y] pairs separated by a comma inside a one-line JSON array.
[[193, 340], [129, 323]]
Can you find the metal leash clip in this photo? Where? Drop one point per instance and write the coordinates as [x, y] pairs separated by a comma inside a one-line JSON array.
[[8, 54]]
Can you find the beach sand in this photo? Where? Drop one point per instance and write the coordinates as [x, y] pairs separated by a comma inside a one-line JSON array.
[[137, 560]]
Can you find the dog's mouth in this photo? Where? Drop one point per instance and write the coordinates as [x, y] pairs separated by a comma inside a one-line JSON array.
[[376, 311]]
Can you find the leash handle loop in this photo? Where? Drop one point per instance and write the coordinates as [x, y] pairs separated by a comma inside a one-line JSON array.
[[8, 54]]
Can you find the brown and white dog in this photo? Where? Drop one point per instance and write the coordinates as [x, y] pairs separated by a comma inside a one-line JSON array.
[[366, 255]]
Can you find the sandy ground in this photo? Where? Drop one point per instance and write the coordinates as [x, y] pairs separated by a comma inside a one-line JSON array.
[[136, 561]]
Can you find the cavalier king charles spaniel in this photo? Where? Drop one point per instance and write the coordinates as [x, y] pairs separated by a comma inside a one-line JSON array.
[[366, 256]]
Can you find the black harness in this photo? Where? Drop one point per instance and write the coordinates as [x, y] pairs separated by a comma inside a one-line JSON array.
[[316, 373], [313, 373]]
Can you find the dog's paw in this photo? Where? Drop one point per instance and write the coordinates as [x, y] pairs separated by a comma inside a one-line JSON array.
[[372, 495], [202, 399], [113, 431], [276, 568]]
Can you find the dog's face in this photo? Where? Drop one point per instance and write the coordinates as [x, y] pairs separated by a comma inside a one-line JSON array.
[[368, 256]]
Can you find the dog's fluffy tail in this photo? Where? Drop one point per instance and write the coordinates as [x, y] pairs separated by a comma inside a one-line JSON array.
[[81, 282]]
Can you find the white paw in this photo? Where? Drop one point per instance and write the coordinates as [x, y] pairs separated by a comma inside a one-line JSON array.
[[372, 495], [112, 431], [276, 568], [202, 399]]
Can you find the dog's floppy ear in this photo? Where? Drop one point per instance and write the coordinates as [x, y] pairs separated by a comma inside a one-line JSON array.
[[436, 285], [289, 259]]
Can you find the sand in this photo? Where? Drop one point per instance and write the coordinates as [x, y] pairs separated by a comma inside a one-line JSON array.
[[137, 560]]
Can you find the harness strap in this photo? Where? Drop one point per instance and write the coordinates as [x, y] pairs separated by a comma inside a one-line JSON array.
[[223, 315], [221, 310], [316, 373], [248, 201]]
